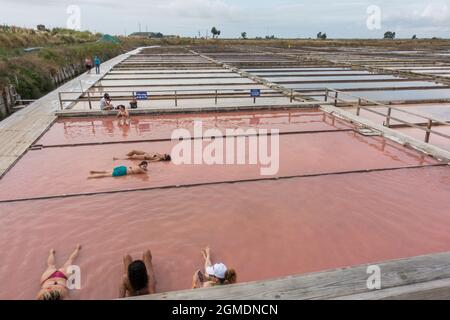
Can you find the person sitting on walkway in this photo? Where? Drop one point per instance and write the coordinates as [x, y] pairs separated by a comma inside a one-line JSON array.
[[53, 280], [120, 171], [139, 277], [142, 155], [123, 112], [105, 103], [217, 274]]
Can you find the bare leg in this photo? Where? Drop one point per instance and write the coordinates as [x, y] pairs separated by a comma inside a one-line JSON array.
[[51, 267], [207, 256], [135, 152], [147, 257], [72, 258], [99, 176]]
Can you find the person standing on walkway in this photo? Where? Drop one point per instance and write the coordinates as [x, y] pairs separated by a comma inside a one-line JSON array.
[[97, 64], [88, 64]]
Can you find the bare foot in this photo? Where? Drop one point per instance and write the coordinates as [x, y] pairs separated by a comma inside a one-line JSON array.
[[206, 252], [149, 254]]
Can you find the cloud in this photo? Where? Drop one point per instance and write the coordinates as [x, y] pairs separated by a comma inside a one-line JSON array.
[[428, 16], [199, 9]]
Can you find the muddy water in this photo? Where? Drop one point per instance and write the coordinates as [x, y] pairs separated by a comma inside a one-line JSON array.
[[56, 171], [68, 131], [263, 229]]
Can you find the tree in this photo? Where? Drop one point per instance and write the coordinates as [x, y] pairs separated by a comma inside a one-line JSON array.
[[244, 35], [414, 37], [322, 36], [389, 35], [215, 32]]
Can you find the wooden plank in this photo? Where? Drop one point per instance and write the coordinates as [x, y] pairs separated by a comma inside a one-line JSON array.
[[328, 284], [432, 290]]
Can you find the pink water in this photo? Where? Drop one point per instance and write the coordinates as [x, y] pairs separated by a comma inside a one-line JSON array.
[[56, 171], [82, 130], [263, 229]]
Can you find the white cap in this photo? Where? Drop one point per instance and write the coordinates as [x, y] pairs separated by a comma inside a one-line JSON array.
[[218, 270]]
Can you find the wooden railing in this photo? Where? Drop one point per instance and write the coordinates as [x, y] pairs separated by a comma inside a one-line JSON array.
[[368, 105]]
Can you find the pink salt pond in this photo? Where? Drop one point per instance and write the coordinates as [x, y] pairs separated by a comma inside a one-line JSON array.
[[264, 229]]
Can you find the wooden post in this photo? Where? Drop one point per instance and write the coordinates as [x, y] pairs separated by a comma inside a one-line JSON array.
[[358, 108], [388, 118], [428, 133], [216, 97], [89, 99], [336, 99], [60, 101], [326, 94], [176, 99], [254, 100], [292, 95]]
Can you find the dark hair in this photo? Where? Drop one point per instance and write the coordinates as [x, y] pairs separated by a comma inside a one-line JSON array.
[[121, 106], [137, 274], [167, 157], [51, 295], [143, 163], [106, 95]]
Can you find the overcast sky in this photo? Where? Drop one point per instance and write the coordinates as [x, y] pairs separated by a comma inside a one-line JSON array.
[[284, 18]]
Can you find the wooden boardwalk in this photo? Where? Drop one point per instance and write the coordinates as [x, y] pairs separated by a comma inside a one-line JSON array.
[[21, 129], [422, 277]]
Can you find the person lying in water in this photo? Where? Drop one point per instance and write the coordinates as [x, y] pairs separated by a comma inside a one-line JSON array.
[[217, 274], [142, 155], [53, 280], [139, 277], [121, 171]]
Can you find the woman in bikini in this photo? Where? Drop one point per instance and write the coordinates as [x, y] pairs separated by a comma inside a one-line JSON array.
[[53, 280], [142, 155], [120, 171]]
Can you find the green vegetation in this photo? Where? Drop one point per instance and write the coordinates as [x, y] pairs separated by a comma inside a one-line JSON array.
[[215, 32], [389, 35], [32, 73], [322, 36]]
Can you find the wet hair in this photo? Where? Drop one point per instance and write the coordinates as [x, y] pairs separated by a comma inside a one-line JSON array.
[[143, 163], [230, 277], [167, 157], [137, 274], [51, 295], [121, 106]]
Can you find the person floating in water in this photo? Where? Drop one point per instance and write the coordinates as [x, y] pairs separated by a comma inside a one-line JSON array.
[[139, 277], [53, 280], [120, 171], [215, 275], [142, 155]]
